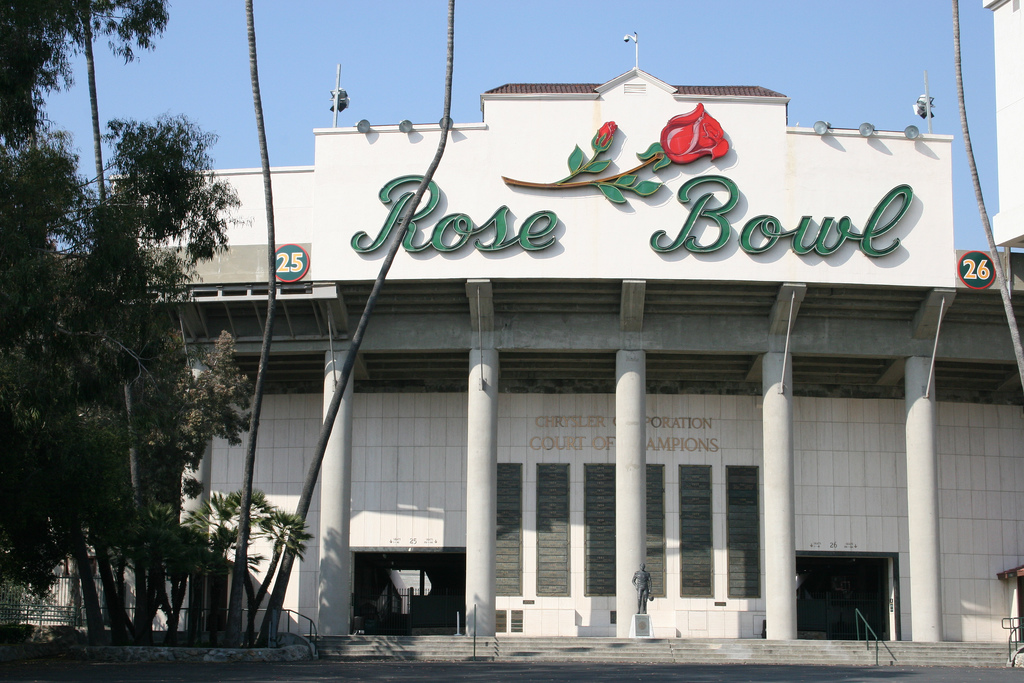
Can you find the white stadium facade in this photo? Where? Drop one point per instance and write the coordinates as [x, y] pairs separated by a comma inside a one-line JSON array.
[[636, 322]]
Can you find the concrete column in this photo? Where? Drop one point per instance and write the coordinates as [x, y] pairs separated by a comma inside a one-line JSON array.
[[335, 592], [630, 481], [779, 506], [204, 474], [922, 504], [481, 491]]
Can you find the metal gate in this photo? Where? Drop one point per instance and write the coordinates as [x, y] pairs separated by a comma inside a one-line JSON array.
[[403, 613], [834, 616]]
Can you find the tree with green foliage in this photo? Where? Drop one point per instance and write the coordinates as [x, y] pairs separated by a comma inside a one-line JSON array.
[[90, 276], [34, 54]]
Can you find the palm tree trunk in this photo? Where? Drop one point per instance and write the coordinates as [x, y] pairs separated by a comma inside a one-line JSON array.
[[115, 607], [90, 596], [97, 139], [233, 629], [261, 594], [134, 470], [313, 474], [1004, 289], [143, 620]]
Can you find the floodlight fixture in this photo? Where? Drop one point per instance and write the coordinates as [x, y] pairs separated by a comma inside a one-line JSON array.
[[866, 129], [405, 125], [822, 127], [446, 122], [912, 132], [363, 126], [339, 100], [924, 106]]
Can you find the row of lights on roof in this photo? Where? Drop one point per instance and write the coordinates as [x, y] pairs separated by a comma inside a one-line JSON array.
[[865, 129], [405, 125]]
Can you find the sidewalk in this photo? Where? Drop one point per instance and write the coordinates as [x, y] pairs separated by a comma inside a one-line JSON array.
[[45, 671]]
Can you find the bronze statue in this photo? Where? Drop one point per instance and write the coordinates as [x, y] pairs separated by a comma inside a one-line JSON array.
[[642, 583]]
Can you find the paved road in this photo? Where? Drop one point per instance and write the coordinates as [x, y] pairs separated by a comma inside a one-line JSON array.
[[486, 672]]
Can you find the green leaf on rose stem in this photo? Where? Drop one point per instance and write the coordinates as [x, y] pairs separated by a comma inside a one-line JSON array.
[[662, 163], [625, 181], [646, 188], [611, 192], [595, 166], [651, 151], [576, 160]]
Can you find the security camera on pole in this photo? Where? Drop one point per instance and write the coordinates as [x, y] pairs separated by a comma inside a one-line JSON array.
[[636, 43]]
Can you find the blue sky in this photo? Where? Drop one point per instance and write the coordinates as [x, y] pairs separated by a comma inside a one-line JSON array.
[[844, 62]]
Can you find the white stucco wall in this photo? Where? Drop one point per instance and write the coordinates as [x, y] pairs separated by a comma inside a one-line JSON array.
[[409, 485], [1008, 22], [781, 171]]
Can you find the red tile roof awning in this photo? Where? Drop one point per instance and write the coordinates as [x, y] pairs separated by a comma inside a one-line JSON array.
[[1010, 573], [586, 88]]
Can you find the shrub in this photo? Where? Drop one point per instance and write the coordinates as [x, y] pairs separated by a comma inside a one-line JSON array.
[[15, 634]]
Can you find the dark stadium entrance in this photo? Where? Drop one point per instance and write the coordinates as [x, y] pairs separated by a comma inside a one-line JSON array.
[[411, 592], [833, 587]]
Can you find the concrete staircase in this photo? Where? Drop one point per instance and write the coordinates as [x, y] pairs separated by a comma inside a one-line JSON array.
[[671, 651]]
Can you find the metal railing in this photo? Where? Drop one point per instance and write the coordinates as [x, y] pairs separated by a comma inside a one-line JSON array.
[[211, 621], [867, 630], [311, 633], [60, 606], [1016, 637]]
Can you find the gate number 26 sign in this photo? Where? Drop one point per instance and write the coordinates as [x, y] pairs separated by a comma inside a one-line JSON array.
[[975, 270]]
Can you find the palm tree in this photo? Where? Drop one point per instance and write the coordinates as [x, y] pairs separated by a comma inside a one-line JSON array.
[[286, 532], [1004, 290], [233, 632], [313, 473]]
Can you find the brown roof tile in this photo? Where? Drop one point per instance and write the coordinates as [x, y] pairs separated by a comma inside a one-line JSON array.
[[584, 88], [532, 88]]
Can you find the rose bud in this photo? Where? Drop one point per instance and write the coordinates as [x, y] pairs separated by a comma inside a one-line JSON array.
[[688, 137], [603, 139]]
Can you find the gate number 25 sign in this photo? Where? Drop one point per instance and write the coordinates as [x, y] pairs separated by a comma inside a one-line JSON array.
[[292, 263]]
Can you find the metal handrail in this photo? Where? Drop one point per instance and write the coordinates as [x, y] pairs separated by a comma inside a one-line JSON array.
[[867, 630], [313, 635], [1013, 625]]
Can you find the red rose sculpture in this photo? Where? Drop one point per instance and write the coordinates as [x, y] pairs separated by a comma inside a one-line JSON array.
[[688, 137], [603, 139]]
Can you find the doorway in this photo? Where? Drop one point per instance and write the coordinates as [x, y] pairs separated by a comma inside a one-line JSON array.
[[408, 593], [832, 588]]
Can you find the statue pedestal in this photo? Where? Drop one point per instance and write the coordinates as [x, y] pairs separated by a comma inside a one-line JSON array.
[[641, 626]]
